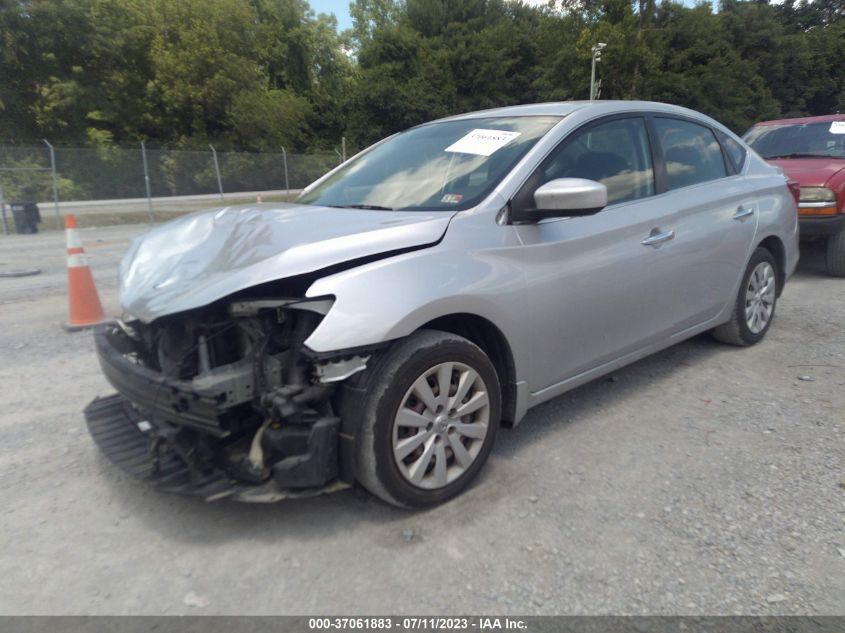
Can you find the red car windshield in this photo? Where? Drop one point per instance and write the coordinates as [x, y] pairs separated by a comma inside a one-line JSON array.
[[798, 140]]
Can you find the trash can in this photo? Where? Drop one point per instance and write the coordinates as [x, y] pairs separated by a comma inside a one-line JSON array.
[[27, 217]]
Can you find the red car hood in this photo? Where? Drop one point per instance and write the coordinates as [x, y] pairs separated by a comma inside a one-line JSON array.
[[810, 172]]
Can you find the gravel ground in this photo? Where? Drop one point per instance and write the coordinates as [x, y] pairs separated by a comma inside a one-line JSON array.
[[702, 480]]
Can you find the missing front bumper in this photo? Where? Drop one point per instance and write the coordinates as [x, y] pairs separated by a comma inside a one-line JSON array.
[[130, 441], [173, 400]]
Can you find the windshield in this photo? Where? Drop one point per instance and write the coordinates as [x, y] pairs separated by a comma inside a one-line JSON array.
[[450, 165], [795, 140]]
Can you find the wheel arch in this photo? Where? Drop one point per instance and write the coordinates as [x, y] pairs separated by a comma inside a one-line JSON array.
[[477, 329], [775, 246], [492, 342]]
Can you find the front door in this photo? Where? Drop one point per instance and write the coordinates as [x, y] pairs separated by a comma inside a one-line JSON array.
[[601, 286]]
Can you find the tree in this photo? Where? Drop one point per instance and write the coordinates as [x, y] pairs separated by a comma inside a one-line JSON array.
[[370, 16], [401, 82], [259, 74]]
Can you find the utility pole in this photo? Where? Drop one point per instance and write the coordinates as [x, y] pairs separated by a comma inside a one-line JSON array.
[[597, 49]]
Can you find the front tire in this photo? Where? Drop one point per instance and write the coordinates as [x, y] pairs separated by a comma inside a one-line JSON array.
[[428, 421], [836, 254], [754, 308]]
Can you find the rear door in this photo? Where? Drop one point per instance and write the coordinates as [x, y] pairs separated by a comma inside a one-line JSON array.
[[715, 213]]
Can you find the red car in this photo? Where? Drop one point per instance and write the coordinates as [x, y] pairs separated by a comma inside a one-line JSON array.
[[812, 151]]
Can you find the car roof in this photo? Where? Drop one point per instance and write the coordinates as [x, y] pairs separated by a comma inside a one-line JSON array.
[[564, 108], [827, 118]]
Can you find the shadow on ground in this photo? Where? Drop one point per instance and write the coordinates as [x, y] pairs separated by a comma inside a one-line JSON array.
[[321, 517]]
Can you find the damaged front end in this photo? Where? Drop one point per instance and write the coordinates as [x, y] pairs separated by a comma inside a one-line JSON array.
[[224, 401]]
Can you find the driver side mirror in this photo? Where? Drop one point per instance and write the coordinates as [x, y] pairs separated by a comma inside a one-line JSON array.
[[566, 197]]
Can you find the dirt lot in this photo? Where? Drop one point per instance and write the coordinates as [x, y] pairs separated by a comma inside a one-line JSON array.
[[704, 479]]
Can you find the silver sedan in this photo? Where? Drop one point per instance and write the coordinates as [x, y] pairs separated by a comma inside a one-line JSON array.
[[438, 284]]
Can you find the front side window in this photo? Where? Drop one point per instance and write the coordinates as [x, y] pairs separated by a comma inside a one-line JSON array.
[[691, 153], [797, 140], [449, 165], [615, 153]]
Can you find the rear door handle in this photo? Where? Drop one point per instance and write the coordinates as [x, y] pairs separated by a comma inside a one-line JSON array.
[[743, 212], [656, 239]]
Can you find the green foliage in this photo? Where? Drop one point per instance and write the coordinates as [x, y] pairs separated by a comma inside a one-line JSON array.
[[400, 83], [259, 75], [371, 16], [33, 183], [91, 72], [268, 119]]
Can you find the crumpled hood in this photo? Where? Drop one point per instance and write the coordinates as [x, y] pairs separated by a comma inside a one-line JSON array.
[[199, 258], [810, 172]]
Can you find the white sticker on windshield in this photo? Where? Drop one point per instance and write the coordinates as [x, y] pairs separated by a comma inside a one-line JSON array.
[[837, 127], [482, 142]]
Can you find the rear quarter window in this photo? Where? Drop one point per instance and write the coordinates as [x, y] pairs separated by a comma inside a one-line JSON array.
[[733, 150]]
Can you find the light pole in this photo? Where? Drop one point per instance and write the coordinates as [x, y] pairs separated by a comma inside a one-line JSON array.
[[597, 49]]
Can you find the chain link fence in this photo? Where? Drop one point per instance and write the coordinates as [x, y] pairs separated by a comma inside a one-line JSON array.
[[117, 184]]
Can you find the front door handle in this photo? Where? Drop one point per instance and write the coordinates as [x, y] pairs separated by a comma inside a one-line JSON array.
[[656, 239], [743, 212]]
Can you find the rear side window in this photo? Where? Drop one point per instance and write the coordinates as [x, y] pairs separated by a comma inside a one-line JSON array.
[[691, 153], [733, 150]]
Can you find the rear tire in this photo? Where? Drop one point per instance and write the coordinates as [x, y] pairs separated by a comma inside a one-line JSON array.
[[754, 307], [836, 254], [414, 449]]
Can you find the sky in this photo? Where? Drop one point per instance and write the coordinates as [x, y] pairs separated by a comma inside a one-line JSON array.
[[340, 8]]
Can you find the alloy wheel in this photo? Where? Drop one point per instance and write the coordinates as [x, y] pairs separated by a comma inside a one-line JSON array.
[[760, 297], [440, 426]]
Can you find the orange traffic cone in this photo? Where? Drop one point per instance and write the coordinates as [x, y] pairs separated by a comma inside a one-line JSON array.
[[84, 307]]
